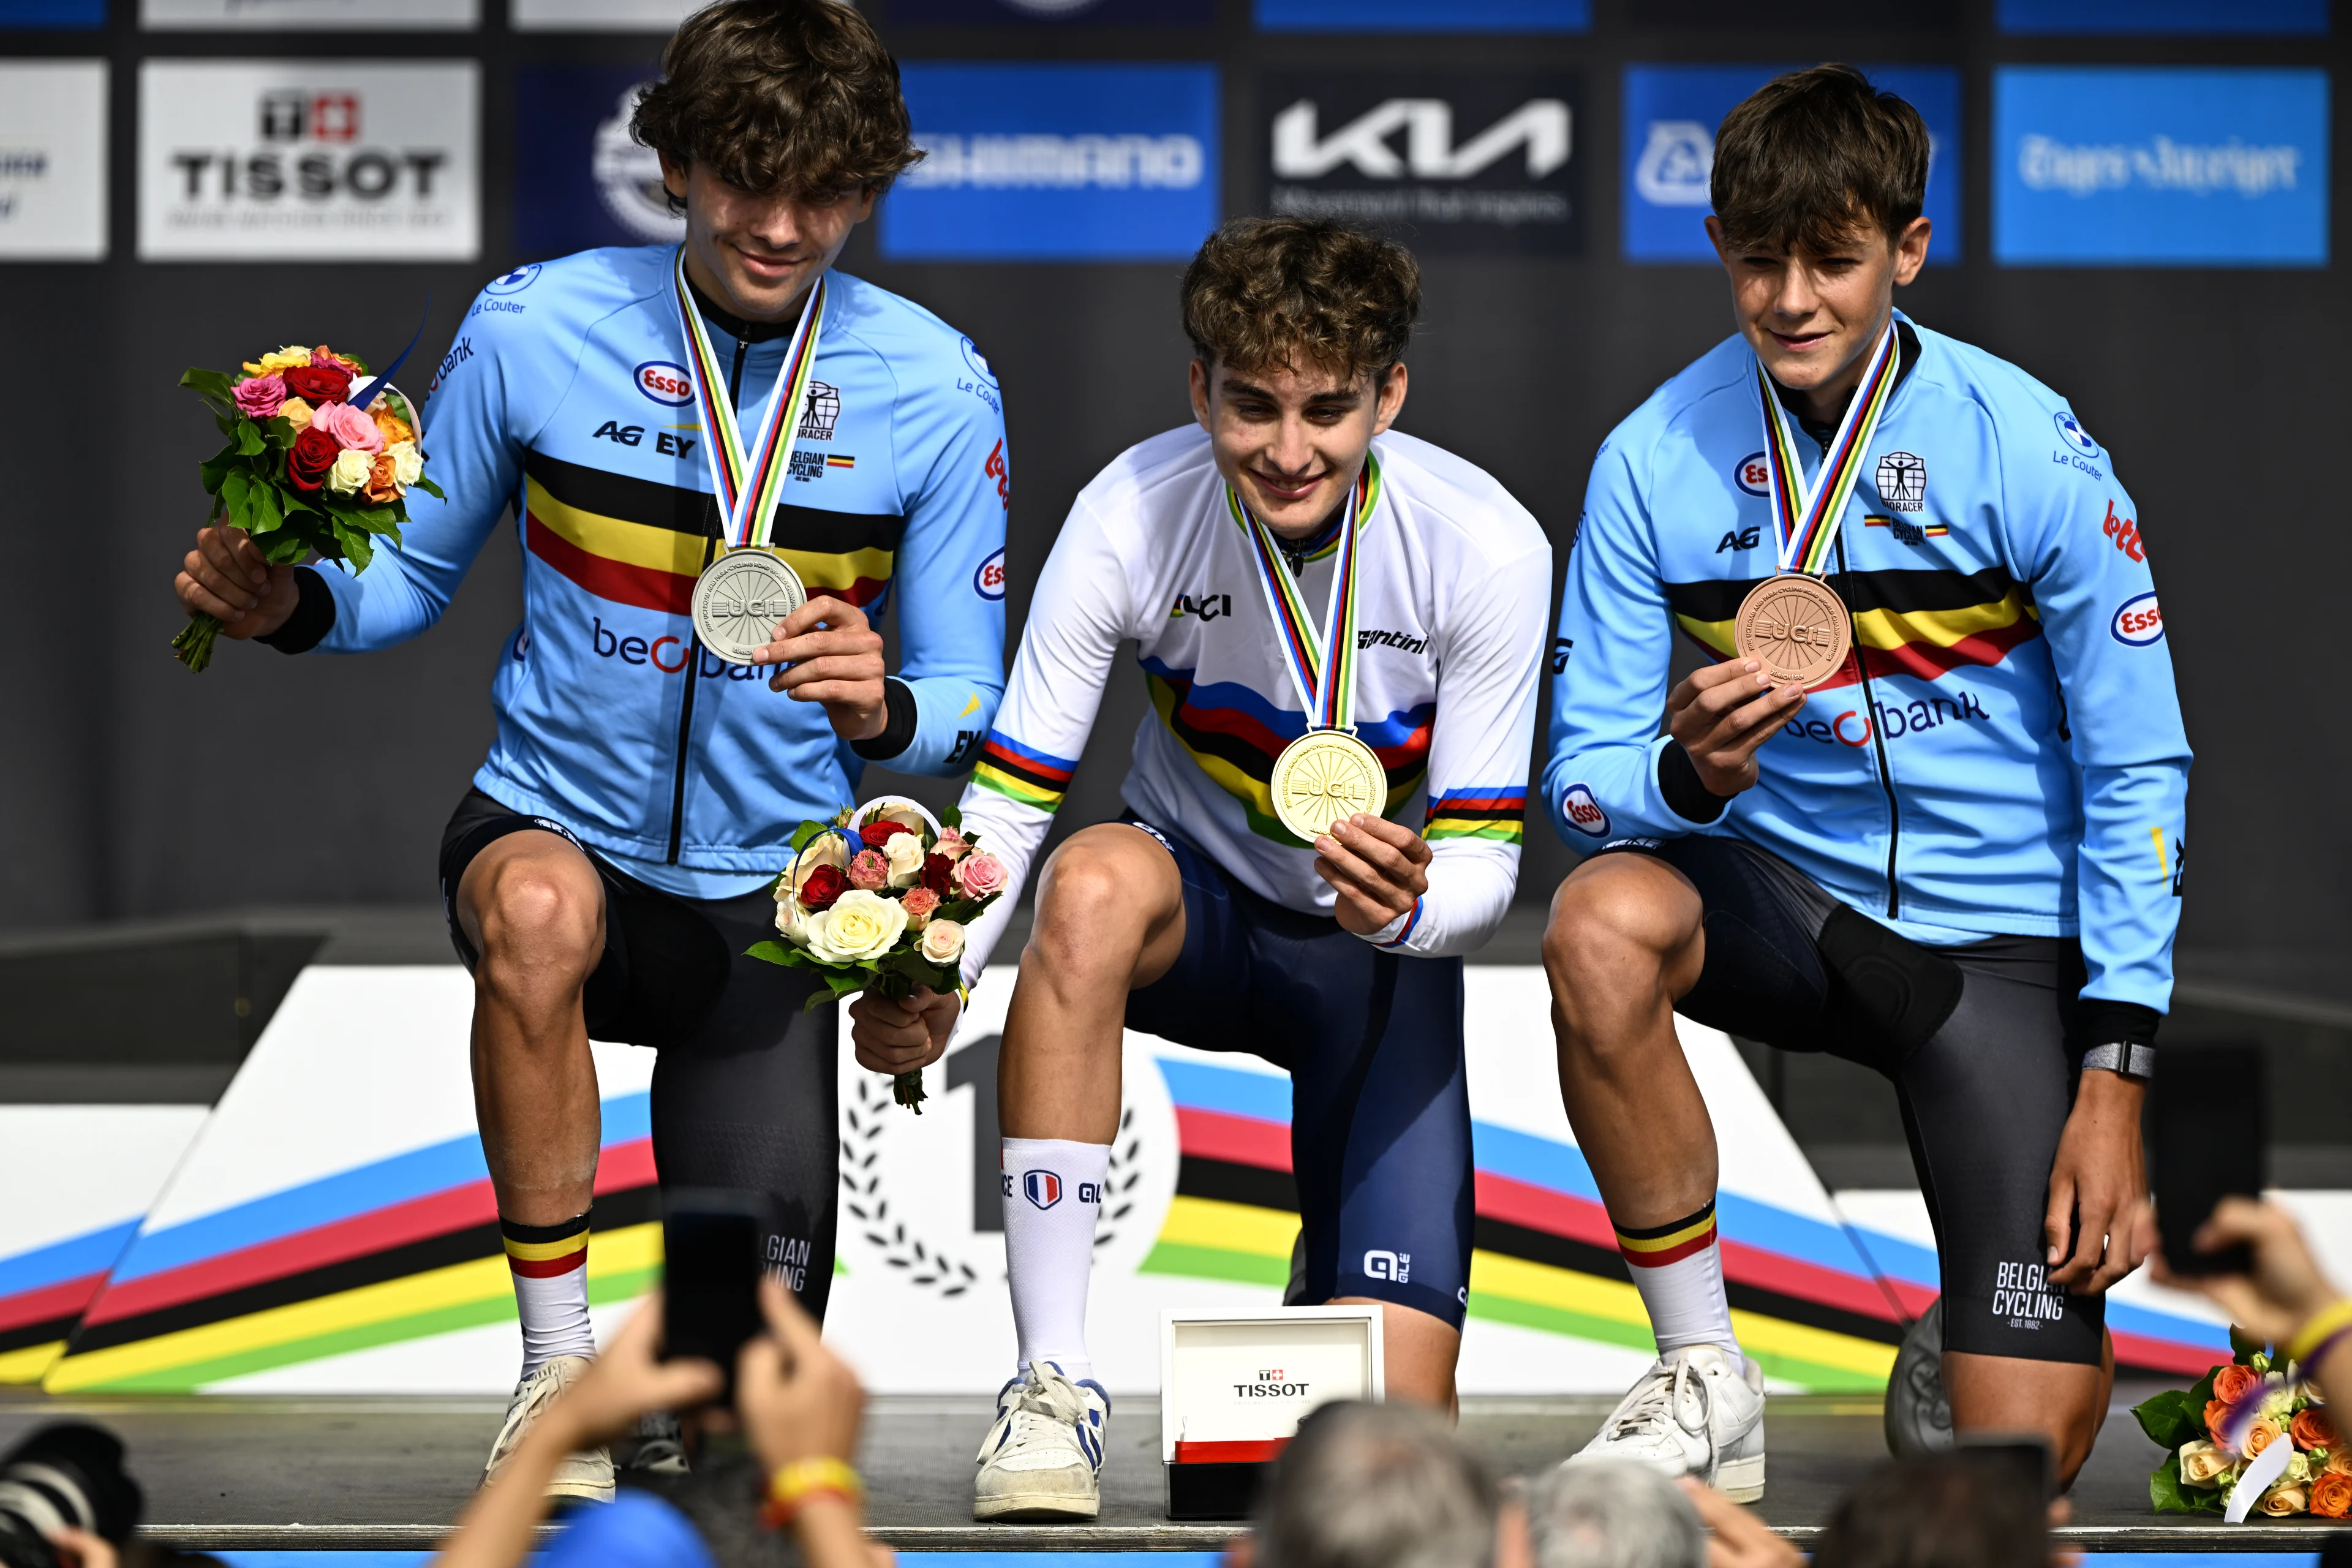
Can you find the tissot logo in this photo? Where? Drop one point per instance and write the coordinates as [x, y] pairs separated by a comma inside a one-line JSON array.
[[1470, 162]]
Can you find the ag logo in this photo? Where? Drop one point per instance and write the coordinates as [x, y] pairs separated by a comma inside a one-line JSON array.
[[1584, 813], [1676, 162], [666, 383], [1043, 1188], [1903, 481], [514, 282], [2071, 431], [987, 582], [2139, 622], [1751, 475]]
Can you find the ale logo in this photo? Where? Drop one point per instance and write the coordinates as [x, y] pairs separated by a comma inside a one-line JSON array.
[[1044, 1188], [665, 382], [1584, 813], [2139, 622]]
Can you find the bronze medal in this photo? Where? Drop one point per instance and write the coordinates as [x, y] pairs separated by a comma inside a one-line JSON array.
[[1796, 626]]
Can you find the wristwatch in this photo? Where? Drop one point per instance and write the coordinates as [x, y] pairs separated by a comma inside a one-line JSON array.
[[2133, 1061]]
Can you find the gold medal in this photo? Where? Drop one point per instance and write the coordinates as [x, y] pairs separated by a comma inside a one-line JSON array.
[[1323, 777], [1796, 626]]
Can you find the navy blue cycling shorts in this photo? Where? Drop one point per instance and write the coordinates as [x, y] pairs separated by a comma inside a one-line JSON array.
[[1380, 1124]]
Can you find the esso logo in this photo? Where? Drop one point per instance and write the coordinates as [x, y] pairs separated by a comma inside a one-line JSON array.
[[514, 282], [666, 384], [989, 580], [1751, 475], [2139, 622], [1584, 813]]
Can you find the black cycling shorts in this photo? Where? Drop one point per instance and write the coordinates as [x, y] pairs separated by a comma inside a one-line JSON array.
[[1379, 1123], [1974, 1039], [743, 1088]]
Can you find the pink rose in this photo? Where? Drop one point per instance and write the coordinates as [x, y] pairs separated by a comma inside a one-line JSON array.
[[920, 904], [952, 844], [980, 875], [869, 870], [353, 431], [260, 396]]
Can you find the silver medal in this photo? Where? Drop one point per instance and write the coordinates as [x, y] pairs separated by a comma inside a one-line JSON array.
[[738, 599]]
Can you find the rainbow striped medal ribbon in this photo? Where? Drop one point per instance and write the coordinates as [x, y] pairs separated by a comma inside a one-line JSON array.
[[741, 596], [1793, 623], [1325, 774]]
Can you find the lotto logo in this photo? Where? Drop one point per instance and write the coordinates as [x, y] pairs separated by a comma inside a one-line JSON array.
[[2125, 531], [666, 384], [995, 470], [1044, 1188], [1582, 812]]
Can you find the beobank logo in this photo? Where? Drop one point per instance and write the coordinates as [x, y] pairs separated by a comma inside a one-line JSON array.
[[668, 654], [1582, 812], [666, 384], [2139, 622]]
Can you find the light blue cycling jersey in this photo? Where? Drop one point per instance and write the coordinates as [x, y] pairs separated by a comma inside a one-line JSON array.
[[2005, 754], [566, 395]]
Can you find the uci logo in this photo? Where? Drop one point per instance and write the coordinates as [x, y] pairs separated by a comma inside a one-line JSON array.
[[666, 384], [1043, 1188], [987, 582], [2137, 622], [514, 282], [1584, 813], [1751, 475]]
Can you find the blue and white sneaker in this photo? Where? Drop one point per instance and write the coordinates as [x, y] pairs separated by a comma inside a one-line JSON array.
[[1042, 1457]]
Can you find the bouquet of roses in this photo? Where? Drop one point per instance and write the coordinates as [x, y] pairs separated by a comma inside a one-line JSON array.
[[314, 466], [879, 899], [2213, 1430]]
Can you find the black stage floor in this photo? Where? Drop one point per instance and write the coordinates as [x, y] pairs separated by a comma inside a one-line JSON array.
[[273, 1473]]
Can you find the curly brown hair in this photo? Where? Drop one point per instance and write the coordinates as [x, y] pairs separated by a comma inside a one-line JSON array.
[[784, 97], [1811, 154], [1265, 292]]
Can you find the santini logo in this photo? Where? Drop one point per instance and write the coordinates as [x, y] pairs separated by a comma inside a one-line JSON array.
[[1539, 127], [1045, 162]]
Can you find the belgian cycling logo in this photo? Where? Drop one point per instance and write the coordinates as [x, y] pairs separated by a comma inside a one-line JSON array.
[[514, 282], [819, 413], [1903, 481], [2023, 1295], [988, 580], [1380, 1263], [1043, 1188], [1751, 475], [1584, 813], [2139, 622], [2071, 431], [666, 383]]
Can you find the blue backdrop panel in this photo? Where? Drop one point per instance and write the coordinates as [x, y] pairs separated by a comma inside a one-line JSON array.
[[2115, 165], [2212, 17], [1424, 15], [583, 182]]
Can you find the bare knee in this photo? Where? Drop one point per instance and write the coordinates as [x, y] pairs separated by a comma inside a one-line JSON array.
[[1092, 918], [1623, 930], [541, 928]]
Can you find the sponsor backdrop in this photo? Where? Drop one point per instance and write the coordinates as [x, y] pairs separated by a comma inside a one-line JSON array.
[[2141, 219]]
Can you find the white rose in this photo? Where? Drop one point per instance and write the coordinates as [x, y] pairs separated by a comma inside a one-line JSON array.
[[860, 925], [791, 921], [351, 471], [905, 854], [2202, 1464], [407, 463], [942, 943]]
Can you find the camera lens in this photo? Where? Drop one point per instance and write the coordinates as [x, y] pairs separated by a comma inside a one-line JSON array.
[[69, 1476]]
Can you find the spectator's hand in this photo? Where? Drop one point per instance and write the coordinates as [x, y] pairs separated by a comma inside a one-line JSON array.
[[1736, 1537], [798, 1400], [80, 1549], [226, 577], [2098, 1187], [900, 1036], [838, 664], [2286, 1286], [627, 1382]]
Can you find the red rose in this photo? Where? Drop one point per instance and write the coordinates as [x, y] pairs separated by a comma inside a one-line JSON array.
[[823, 885], [935, 873], [313, 453], [877, 833], [318, 384]]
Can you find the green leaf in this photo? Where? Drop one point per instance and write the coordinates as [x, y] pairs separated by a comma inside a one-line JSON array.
[[266, 517], [2163, 1489], [963, 911], [950, 817], [805, 835], [235, 485], [2200, 1394], [429, 487], [776, 953], [207, 383], [2170, 1419], [248, 439]]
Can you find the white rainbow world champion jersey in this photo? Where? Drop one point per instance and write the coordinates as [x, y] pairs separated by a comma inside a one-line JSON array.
[[1453, 577]]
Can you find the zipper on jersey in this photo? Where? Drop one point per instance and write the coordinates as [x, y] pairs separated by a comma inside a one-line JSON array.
[[694, 638], [1877, 739]]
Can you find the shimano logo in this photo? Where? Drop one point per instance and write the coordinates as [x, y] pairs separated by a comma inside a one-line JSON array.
[[1044, 162]]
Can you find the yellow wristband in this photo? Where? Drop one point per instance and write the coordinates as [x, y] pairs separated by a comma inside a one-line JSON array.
[[2319, 1327], [796, 1483]]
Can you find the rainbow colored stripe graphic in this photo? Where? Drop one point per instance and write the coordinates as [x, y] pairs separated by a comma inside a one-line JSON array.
[[1023, 772], [1498, 812]]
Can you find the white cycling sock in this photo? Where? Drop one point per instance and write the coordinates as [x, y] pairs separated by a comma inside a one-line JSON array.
[[550, 1265], [1052, 1191], [1678, 1269]]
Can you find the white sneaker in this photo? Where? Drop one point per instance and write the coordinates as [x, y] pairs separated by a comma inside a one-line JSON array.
[[586, 1474], [1042, 1458], [1691, 1415]]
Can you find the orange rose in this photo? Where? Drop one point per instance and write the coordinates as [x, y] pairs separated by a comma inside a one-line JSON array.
[[382, 484], [393, 426], [2331, 1495], [2313, 1430], [2231, 1384], [2340, 1462], [2259, 1435], [2216, 1412]]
